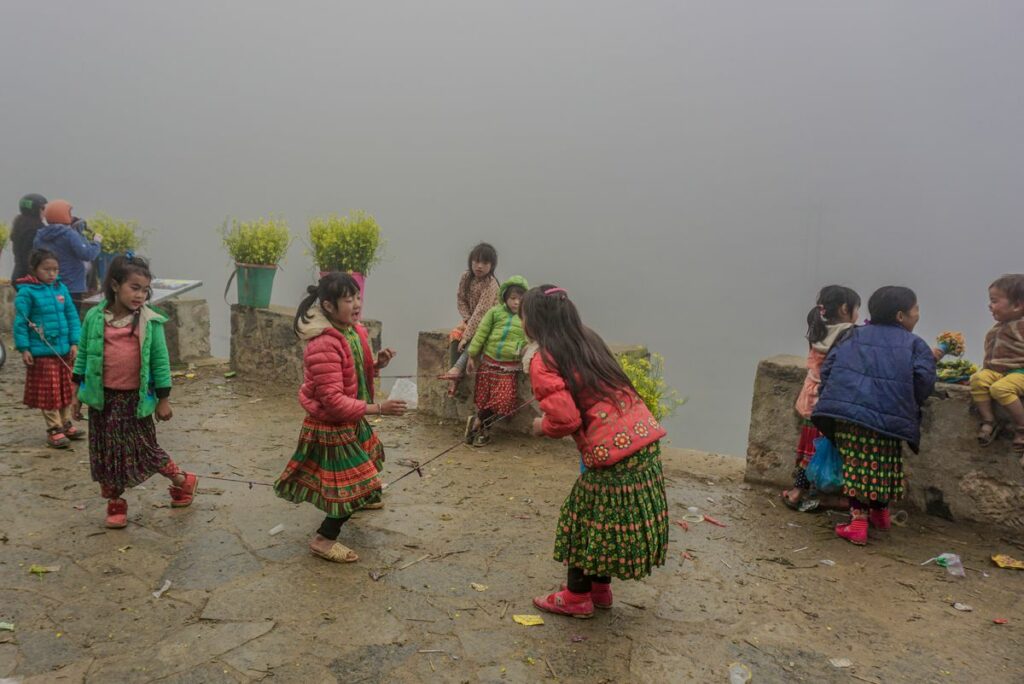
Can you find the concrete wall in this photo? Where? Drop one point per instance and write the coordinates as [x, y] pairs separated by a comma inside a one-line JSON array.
[[952, 476], [432, 361], [264, 346]]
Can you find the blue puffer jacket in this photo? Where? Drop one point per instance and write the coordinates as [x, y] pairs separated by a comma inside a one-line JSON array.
[[877, 377], [71, 248], [50, 308]]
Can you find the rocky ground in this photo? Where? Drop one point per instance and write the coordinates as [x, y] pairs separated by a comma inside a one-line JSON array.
[[245, 605]]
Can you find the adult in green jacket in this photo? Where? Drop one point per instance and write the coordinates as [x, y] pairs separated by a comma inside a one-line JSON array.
[[500, 334]]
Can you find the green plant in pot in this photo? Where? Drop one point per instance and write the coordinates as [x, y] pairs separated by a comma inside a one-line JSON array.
[[346, 243], [119, 237], [257, 248]]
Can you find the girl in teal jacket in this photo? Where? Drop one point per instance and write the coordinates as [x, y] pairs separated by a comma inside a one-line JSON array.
[[500, 340], [46, 333], [124, 377]]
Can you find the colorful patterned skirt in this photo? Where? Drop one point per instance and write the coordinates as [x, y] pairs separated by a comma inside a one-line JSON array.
[[872, 464], [335, 468], [615, 521], [48, 384], [123, 451], [497, 386], [805, 447]]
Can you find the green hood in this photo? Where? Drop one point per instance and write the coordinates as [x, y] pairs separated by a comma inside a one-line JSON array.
[[514, 280]]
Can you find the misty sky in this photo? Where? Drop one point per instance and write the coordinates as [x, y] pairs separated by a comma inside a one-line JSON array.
[[692, 172]]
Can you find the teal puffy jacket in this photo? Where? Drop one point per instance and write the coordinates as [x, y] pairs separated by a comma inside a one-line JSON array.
[[50, 309]]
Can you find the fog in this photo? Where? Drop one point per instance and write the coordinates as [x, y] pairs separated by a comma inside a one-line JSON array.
[[691, 172]]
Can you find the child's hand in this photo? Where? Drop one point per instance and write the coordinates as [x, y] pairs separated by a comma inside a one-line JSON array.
[[76, 409], [384, 357], [463, 343], [538, 427], [470, 366], [393, 407], [163, 410], [26, 357], [938, 353], [73, 353]]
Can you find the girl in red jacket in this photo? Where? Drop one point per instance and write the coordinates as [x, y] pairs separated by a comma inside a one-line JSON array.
[[337, 462], [614, 522]]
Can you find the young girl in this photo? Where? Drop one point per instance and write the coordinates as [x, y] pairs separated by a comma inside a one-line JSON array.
[[873, 384], [46, 331], [478, 292], [337, 462], [615, 521], [500, 339], [836, 311], [124, 377]]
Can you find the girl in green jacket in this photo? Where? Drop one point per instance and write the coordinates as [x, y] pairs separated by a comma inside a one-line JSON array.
[[124, 376], [500, 339]]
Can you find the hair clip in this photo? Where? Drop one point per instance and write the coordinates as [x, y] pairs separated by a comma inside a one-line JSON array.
[[555, 290], [129, 256]]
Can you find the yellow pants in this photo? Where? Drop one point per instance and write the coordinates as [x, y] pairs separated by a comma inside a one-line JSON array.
[[987, 385]]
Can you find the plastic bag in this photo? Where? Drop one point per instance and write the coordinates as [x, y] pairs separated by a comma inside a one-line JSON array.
[[825, 470], [405, 390]]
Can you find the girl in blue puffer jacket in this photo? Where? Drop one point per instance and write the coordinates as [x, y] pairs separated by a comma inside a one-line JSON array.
[[873, 385], [46, 332]]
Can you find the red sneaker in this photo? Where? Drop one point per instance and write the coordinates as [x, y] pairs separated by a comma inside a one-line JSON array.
[[880, 519], [56, 439], [71, 432], [182, 496], [856, 531], [117, 514], [601, 594], [566, 602]]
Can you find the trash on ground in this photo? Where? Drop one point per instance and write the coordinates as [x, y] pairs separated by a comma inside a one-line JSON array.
[[840, 663], [693, 510], [900, 518], [478, 587], [528, 620], [6, 626], [1000, 621], [162, 590], [276, 530], [709, 519], [683, 524], [950, 561], [124, 549], [79, 507], [578, 638], [739, 673], [963, 607], [691, 518], [230, 374], [1004, 561], [41, 570], [828, 563]]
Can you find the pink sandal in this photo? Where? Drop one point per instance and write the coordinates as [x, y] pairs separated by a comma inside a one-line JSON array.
[[566, 602]]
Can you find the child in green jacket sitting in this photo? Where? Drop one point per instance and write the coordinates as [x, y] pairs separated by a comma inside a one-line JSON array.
[[500, 339]]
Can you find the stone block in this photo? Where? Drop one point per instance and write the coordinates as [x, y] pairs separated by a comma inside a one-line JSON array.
[[264, 346], [187, 330], [952, 476], [432, 360], [6, 309]]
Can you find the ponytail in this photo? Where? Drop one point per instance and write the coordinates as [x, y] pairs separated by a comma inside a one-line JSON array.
[[331, 288], [816, 328]]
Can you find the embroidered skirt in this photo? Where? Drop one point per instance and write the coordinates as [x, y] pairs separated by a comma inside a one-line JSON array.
[[615, 521], [48, 384], [872, 463], [123, 451], [497, 386], [805, 447], [335, 468]]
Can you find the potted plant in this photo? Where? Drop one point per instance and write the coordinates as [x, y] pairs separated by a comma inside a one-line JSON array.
[[119, 237], [257, 248], [346, 243]]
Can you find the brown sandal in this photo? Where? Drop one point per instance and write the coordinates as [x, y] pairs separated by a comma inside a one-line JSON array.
[[988, 431], [338, 553]]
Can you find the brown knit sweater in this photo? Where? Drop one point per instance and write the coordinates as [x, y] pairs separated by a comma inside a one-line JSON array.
[[1004, 347], [481, 296]]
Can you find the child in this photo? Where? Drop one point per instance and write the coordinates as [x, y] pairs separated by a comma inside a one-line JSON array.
[[23, 233], [873, 384], [64, 237], [478, 293], [500, 338], [338, 459], [615, 521], [1002, 374], [124, 377], [837, 310], [46, 331]]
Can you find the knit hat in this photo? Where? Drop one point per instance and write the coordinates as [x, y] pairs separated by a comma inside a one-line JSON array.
[[31, 204], [58, 211]]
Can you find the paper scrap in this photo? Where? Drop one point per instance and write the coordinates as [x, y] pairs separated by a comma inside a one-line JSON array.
[[478, 587], [1004, 561], [528, 620]]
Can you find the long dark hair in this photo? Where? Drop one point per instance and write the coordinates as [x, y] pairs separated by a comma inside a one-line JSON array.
[[831, 299], [484, 253], [581, 356], [331, 288], [120, 269], [887, 302]]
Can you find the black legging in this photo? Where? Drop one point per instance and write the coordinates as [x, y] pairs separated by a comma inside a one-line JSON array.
[[579, 582], [330, 528]]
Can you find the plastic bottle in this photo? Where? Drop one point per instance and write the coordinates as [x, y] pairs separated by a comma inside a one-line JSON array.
[[952, 563], [739, 673]]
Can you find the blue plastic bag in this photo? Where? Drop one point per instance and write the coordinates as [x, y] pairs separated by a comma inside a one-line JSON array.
[[825, 471]]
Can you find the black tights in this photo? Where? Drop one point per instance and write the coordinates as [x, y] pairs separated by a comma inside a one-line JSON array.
[[857, 504], [330, 528], [579, 582]]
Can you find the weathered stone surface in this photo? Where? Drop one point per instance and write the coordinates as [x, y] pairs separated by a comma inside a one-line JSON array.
[[432, 360], [6, 309], [187, 330], [952, 476], [263, 344]]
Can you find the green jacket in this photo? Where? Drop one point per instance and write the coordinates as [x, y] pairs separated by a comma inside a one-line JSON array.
[[500, 333], [155, 376]]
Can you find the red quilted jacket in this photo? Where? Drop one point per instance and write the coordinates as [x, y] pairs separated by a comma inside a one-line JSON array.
[[604, 433], [330, 386]]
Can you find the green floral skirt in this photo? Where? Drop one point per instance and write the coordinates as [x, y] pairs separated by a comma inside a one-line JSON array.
[[872, 464], [615, 521]]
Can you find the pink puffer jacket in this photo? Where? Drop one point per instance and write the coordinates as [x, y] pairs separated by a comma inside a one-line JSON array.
[[330, 386]]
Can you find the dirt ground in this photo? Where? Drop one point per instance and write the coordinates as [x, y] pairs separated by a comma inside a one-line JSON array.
[[247, 606]]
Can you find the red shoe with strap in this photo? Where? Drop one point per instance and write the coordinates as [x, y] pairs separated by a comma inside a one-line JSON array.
[[71, 432], [566, 602], [182, 496], [601, 594], [855, 531], [117, 514], [880, 519], [56, 439]]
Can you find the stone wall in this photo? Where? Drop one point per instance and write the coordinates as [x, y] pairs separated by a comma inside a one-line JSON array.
[[952, 476], [6, 309], [432, 360], [264, 346]]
